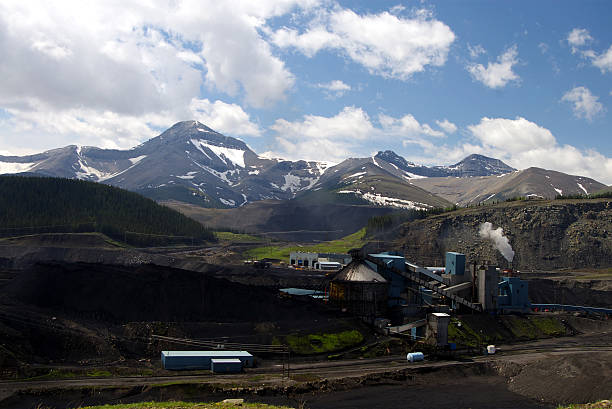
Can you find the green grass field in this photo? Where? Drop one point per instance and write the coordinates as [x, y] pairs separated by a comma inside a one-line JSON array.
[[227, 236], [342, 245]]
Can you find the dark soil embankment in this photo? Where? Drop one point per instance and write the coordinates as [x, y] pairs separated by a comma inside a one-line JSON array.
[[101, 313], [150, 293], [568, 291], [562, 378]]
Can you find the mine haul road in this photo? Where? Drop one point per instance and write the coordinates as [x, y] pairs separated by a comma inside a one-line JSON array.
[[524, 352]]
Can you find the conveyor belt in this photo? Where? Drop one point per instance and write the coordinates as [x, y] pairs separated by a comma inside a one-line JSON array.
[[415, 277]]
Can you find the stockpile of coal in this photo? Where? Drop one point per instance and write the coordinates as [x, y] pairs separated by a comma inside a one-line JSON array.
[[151, 293], [572, 292]]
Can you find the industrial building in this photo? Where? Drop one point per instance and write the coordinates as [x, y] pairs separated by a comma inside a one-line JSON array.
[[410, 291], [318, 261], [191, 360], [360, 290]]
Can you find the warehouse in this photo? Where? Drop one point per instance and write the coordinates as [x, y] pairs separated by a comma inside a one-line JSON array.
[[317, 260], [183, 360]]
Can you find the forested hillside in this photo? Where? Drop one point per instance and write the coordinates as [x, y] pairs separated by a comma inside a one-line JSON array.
[[41, 204]]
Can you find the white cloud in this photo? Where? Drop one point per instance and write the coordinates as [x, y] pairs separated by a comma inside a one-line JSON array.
[[496, 74], [47, 128], [323, 138], [335, 88], [578, 37], [603, 61], [522, 144], [229, 119], [346, 134], [385, 44], [447, 126], [586, 105], [476, 50], [406, 126], [149, 60]]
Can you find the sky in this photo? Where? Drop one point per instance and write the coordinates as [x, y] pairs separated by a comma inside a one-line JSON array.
[[527, 82]]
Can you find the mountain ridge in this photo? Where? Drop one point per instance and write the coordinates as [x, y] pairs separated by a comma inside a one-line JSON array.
[[192, 163]]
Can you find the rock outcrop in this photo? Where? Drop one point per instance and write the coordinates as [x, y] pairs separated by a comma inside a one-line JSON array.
[[544, 235]]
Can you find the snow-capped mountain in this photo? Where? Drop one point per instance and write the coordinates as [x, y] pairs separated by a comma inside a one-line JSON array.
[[188, 162], [192, 163], [473, 165]]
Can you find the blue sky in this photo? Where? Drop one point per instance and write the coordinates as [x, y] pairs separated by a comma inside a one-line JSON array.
[[527, 82]]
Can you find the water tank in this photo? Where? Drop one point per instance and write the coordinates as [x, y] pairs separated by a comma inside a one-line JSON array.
[[490, 349], [415, 356]]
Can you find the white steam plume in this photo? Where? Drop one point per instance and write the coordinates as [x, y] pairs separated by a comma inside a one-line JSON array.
[[499, 240]]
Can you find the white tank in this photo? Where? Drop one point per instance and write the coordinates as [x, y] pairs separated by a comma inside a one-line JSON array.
[[415, 356]]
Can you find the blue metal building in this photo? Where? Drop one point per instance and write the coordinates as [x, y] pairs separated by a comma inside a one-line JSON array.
[[397, 282], [513, 295], [455, 263], [190, 360]]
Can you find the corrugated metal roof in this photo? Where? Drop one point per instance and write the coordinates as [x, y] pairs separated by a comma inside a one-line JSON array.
[[206, 353], [359, 271]]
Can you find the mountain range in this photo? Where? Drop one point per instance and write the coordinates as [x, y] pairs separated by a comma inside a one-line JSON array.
[[191, 163]]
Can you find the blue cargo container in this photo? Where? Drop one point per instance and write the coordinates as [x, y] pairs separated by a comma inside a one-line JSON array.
[[225, 365], [183, 360]]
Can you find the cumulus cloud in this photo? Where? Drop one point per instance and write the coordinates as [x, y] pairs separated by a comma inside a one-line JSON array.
[[577, 38], [46, 127], [226, 118], [476, 50], [385, 44], [150, 60], [447, 126], [335, 88], [603, 61], [522, 144], [496, 74], [585, 104], [346, 134]]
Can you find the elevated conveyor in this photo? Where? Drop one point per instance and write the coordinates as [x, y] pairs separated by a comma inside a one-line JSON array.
[[415, 274]]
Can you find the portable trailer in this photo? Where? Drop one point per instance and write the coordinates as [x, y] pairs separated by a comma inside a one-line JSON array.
[[225, 365], [192, 360]]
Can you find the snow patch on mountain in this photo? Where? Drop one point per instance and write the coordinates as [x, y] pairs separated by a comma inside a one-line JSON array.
[[91, 173], [380, 200], [229, 156], [137, 159], [13, 167], [227, 202], [583, 189]]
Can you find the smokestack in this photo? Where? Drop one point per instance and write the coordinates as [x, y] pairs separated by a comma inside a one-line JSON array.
[[498, 239]]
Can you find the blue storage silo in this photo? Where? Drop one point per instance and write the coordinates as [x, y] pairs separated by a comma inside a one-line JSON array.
[[192, 360], [225, 365], [455, 263]]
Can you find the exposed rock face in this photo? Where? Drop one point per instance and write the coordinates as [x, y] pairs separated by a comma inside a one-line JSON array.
[[544, 235]]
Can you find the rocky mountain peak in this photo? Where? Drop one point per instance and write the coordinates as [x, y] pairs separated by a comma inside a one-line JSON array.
[[394, 158], [479, 165]]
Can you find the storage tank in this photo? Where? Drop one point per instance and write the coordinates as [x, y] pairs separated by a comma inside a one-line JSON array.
[[360, 290], [415, 356]]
